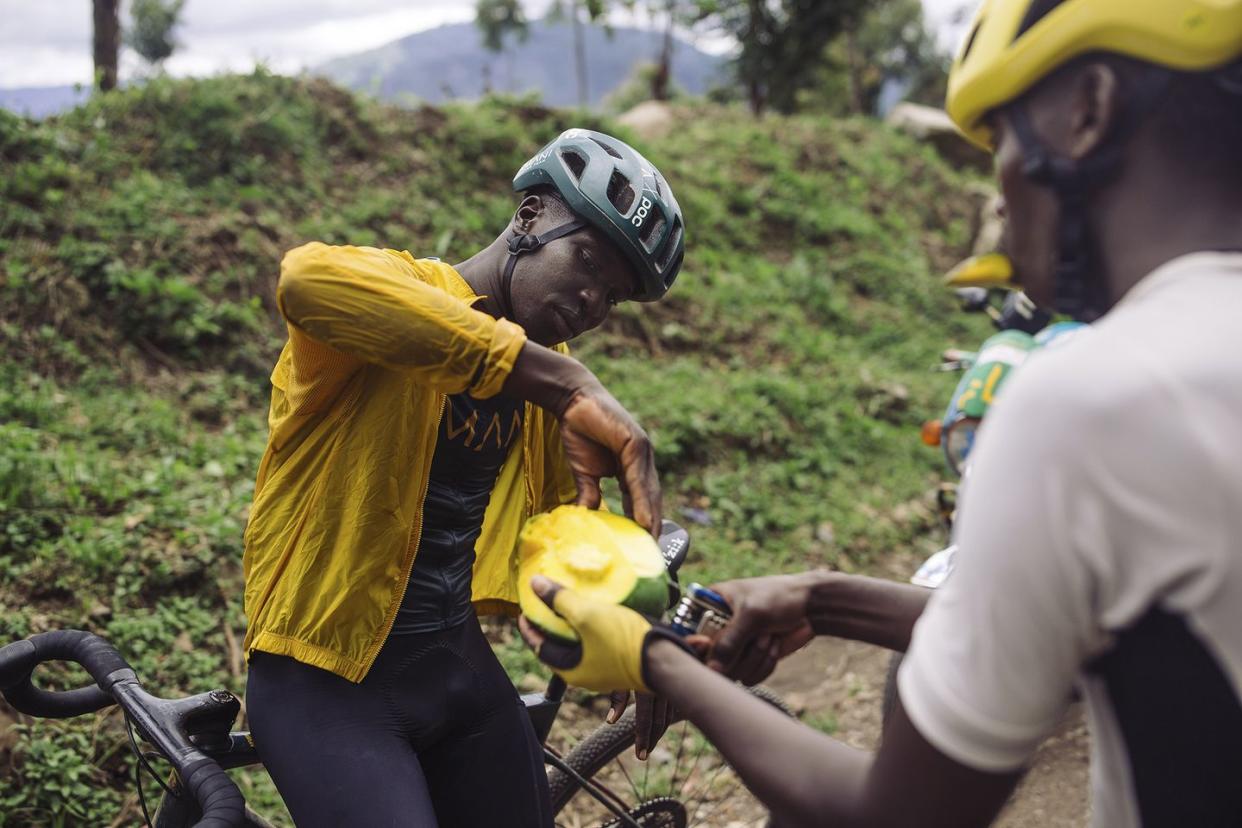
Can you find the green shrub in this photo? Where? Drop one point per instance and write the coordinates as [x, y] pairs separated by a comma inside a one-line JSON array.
[[57, 779]]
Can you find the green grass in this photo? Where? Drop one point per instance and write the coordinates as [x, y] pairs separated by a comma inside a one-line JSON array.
[[783, 380]]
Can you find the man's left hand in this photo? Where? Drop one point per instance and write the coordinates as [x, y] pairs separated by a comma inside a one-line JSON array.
[[608, 654], [652, 717]]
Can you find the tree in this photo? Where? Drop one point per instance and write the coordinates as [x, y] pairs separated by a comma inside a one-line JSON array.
[[107, 42], [498, 20], [889, 44], [782, 42], [674, 13], [577, 10], [636, 89], [152, 27]]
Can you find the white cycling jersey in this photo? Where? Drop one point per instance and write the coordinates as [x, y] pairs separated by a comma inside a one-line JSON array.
[[1100, 543]]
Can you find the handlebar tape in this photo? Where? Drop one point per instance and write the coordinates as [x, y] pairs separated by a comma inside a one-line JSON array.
[[46, 704], [217, 795], [17, 660], [98, 656]]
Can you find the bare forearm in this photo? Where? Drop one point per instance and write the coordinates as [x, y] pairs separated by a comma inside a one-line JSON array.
[[546, 378], [804, 777], [871, 610]]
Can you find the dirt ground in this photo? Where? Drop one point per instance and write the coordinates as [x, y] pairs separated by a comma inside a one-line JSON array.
[[844, 681], [835, 685]]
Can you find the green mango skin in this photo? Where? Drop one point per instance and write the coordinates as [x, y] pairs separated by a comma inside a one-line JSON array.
[[649, 597]]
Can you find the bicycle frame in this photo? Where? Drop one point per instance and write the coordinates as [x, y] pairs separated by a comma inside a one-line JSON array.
[[544, 707]]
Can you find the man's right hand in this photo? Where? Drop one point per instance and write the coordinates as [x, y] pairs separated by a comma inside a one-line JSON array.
[[601, 438], [769, 622]]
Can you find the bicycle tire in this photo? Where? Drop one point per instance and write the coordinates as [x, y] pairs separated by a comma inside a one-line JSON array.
[[609, 741]]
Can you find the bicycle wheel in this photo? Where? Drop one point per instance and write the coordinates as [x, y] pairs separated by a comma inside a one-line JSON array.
[[685, 783]]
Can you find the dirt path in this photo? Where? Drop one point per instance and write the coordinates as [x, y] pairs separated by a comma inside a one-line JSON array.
[[843, 682]]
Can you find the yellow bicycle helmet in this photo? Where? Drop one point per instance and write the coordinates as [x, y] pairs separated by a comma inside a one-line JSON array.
[[1012, 46]]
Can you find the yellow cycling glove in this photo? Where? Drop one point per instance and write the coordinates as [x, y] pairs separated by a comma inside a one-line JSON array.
[[612, 639]]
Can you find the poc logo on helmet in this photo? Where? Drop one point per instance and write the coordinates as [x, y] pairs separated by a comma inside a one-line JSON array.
[[643, 209]]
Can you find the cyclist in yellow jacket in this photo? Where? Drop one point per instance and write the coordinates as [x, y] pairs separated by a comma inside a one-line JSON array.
[[420, 413]]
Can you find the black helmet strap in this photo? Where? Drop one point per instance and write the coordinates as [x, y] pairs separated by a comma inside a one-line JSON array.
[[529, 243], [1073, 182]]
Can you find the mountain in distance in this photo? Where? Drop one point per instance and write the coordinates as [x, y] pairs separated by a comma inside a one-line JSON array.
[[450, 62]]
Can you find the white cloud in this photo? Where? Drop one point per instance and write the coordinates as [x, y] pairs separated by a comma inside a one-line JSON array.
[[48, 42], [949, 19]]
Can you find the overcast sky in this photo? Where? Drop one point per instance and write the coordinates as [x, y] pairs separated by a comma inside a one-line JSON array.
[[48, 42]]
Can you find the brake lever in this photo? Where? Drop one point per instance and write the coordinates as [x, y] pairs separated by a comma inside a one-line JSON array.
[[674, 543]]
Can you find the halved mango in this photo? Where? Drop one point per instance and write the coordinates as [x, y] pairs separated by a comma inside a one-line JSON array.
[[603, 556]]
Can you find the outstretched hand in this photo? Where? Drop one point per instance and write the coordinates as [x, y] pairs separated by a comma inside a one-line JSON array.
[[769, 622], [652, 717], [608, 654]]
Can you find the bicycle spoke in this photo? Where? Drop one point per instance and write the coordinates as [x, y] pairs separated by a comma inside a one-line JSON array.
[[706, 790], [697, 756], [681, 747], [646, 794], [625, 771]]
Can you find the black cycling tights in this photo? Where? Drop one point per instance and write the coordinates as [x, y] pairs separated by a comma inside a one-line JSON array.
[[435, 735]]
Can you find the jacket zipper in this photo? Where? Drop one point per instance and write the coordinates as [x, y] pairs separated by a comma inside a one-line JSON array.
[[411, 548]]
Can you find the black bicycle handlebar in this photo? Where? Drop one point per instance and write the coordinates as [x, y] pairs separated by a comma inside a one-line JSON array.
[[162, 722], [18, 660]]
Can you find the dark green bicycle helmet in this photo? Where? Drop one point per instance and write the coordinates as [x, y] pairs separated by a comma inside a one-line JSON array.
[[609, 185]]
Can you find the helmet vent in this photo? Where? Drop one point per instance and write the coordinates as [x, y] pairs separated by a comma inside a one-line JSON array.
[[1039, 9], [651, 231], [575, 162], [670, 249], [607, 148], [620, 193], [970, 41]]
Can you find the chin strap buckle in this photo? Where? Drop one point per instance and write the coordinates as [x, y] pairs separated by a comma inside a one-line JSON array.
[[528, 243], [524, 243]]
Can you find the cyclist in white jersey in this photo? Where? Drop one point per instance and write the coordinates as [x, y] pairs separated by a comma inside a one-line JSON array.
[[1100, 533]]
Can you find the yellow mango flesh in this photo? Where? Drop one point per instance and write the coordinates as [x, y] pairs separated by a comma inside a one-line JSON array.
[[598, 554]]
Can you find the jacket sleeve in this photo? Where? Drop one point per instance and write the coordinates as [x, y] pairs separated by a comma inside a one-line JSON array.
[[559, 485], [370, 304]]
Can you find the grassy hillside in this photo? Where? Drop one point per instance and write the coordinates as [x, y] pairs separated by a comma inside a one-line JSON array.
[[783, 381]]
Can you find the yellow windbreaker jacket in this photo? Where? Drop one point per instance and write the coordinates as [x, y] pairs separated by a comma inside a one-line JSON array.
[[377, 339]]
